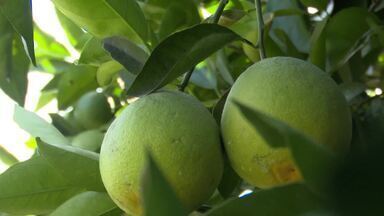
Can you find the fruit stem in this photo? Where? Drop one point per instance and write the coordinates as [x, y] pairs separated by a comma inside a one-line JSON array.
[[185, 81], [215, 19], [260, 25]]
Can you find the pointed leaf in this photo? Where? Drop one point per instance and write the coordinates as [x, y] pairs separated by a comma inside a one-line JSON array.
[[38, 127], [179, 53], [14, 63], [19, 14], [159, 198], [33, 187]]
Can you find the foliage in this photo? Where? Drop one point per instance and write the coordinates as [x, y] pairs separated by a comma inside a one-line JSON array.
[[132, 48]]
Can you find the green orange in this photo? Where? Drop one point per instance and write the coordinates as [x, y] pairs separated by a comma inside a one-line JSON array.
[[92, 110], [180, 134], [295, 92], [89, 140]]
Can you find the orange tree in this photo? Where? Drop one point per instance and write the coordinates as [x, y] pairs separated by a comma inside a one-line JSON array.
[[200, 101]]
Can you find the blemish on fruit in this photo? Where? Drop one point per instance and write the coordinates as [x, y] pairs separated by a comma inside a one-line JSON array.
[[285, 171]]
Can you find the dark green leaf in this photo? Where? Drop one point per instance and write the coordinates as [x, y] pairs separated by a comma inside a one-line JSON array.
[[230, 181], [19, 14], [33, 187], [6, 157], [179, 53], [14, 63], [131, 13], [74, 82], [86, 204], [289, 200], [316, 164], [38, 127], [63, 125], [343, 31], [294, 26], [80, 167], [218, 108], [93, 53], [128, 54], [159, 198], [317, 55]]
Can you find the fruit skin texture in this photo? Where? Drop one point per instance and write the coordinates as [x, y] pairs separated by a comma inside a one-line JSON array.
[[92, 110], [295, 92], [89, 140], [180, 134]]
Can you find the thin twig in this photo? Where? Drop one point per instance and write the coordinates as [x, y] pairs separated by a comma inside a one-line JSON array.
[[260, 25]]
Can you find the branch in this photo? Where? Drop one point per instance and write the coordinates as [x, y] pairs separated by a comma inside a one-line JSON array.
[[260, 25]]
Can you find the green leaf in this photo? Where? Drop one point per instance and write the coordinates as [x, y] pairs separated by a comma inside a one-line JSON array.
[[45, 98], [88, 203], [14, 63], [48, 46], [80, 167], [316, 164], [319, 4], [289, 200], [19, 14], [182, 13], [219, 106], [97, 18], [107, 71], [93, 53], [33, 187], [38, 127], [294, 26], [6, 157], [131, 13], [74, 82], [128, 54], [76, 36], [158, 197], [343, 32], [179, 53], [317, 55], [63, 125], [230, 181]]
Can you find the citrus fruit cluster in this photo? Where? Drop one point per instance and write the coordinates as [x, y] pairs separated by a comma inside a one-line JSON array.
[[184, 139]]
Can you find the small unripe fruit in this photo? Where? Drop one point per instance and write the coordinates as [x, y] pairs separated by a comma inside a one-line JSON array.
[[89, 140], [182, 137], [92, 110], [295, 92]]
